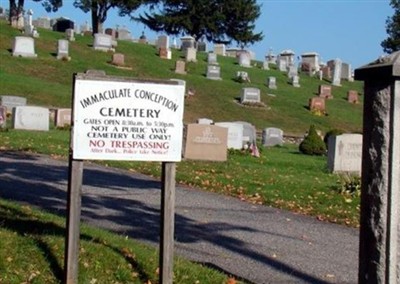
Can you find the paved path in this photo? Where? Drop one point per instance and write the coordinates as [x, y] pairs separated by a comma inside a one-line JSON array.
[[257, 243]]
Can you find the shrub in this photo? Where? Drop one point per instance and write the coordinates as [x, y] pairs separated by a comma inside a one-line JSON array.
[[312, 143], [332, 132]]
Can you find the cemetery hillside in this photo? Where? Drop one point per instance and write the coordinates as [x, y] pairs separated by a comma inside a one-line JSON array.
[[46, 81], [226, 91]]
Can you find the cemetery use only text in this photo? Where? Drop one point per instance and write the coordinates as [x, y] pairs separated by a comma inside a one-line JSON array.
[[118, 118]]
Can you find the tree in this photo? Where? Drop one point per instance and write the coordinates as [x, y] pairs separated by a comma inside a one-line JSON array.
[[16, 11], [392, 43], [197, 18], [216, 20], [17, 8], [100, 8], [239, 20], [51, 5]]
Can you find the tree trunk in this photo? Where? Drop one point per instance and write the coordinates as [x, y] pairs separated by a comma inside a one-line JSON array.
[[95, 18], [16, 13]]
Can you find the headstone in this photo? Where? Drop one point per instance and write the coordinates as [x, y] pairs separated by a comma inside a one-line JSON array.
[[326, 72], [287, 56], [295, 81], [312, 60], [3, 14], [85, 27], [337, 69], [320, 75], [180, 67], [325, 91], [187, 42], [282, 64], [352, 97], [124, 34], [250, 95], [62, 25], [111, 32], [62, 117], [272, 137], [3, 116], [212, 58], [164, 53], [30, 118], [213, 72], [271, 82], [143, 38], [24, 46], [206, 121], [219, 49], [29, 28], [201, 46], [317, 104], [232, 52], [118, 59], [244, 59], [249, 132], [292, 71], [174, 43], [103, 42], [266, 65], [70, 34], [190, 54], [206, 142], [235, 134], [163, 42], [18, 21], [344, 153], [270, 57], [43, 23], [345, 72], [242, 76], [12, 101], [62, 49]]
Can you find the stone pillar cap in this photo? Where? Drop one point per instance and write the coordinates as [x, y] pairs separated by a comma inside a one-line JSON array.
[[383, 68]]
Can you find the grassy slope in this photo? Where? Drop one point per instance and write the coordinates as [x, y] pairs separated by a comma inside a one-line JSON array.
[[32, 251], [281, 177], [48, 82]]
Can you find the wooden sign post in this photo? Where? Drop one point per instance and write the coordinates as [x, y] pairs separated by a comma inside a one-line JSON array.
[[115, 118], [167, 223]]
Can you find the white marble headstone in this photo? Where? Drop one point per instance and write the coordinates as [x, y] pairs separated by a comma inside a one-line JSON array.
[[213, 72], [103, 42], [345, 153], [272, 136], [250, 95], [235, 134], [24, 46], [30, 118]]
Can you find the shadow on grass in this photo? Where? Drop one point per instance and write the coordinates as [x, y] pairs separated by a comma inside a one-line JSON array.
[[125, 203], [20, 223]]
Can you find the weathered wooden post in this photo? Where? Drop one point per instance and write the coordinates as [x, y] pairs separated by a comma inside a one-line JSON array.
[[379, 260], [167, 223]]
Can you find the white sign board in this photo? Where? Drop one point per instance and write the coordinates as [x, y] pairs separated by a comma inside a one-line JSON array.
[[127, 120]]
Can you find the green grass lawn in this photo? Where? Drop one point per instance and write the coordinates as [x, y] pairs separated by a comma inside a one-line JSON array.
[[46, 81], [32, 251]]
